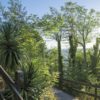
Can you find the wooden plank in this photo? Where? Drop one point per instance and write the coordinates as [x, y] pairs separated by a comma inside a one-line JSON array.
[[81, 83], [65, 82], [10, 82], [90, 94]]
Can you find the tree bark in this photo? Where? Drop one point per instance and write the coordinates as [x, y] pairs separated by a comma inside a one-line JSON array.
[[60, 64], [84, 53]]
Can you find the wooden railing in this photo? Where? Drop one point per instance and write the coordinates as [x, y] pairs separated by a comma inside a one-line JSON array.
[[8, 80], [87, 85], [2, 97]]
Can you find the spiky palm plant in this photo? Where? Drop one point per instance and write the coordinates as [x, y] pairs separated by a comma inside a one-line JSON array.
[[28, 89], [34, 83], [9, 47]]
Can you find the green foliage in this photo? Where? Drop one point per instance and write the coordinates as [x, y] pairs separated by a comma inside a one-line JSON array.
[[21, 44], [9, 47], [48, 94], [52, 24], [72, 51], [95, 56], [32, 42], [77, 71], [35, 81], [52, 60], [14, 13], [95, 63]]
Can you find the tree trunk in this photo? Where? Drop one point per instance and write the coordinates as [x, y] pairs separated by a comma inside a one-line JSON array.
[[60, 64], [84, 54]]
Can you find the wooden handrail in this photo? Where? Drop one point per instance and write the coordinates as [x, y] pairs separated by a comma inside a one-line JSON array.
[[2, 97], [10, 82], [96, 87], [82, 83]]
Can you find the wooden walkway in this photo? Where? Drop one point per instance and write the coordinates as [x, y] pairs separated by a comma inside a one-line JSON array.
[[62, 95]]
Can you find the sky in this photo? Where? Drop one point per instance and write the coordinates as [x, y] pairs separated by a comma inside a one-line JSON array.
[[41, 7]]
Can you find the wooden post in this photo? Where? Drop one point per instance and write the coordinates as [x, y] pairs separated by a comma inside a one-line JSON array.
[[95, 98], [19, 79], [2, 85]]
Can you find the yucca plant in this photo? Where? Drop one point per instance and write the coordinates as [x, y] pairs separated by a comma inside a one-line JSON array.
[[34, 82], [9, 47], [30, 89]]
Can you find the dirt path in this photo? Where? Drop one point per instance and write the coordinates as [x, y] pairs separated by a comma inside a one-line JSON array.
[[62, 95]]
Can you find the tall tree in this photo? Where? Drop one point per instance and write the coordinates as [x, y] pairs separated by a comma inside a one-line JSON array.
[[80, 23], [69, 13], [53, 24], [86, 23]]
